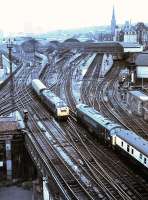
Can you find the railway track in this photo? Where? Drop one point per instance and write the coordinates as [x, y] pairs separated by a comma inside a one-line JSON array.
[[110, 97], [110, 194], [79, 189], [125, 181], [74, 138], [106, 181]]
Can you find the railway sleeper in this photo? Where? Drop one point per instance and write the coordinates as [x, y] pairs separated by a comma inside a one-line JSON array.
[[74, 185]]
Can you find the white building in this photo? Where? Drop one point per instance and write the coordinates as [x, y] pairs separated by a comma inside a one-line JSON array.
[[131, 47], [130, 34], [142, 66]]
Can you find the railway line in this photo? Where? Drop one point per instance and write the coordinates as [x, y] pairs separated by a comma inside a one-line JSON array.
[[97, 158], [110, 96], [72, 134], [61, 144], [105, 178], [117, 170], [105, 174], [69, 101], [74, 138], [90, 85], [6, 101], [108, 99], [45, 145]]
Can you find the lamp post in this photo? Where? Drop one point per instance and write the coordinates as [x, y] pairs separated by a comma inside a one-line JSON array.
[[9, 141], [10, 46]]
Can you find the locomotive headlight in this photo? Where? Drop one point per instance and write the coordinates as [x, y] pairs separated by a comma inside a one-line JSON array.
[[62, 111]]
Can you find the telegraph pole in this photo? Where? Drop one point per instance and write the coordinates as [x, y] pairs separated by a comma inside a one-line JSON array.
[[10, 46]]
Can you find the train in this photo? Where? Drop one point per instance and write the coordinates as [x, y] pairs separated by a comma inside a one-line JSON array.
[[56, 105], [119, 138]]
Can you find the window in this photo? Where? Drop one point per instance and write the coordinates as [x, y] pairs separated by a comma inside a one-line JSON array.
[[132, 151], [144, 160], [122, 143], [140, 156], [127, 148]]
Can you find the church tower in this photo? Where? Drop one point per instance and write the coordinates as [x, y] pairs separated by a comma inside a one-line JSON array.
[[113, 23]]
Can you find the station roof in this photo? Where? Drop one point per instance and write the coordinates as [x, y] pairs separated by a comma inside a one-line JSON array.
[[142, 59]]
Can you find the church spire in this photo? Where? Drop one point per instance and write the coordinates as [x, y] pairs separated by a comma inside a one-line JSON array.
[[113, 22]]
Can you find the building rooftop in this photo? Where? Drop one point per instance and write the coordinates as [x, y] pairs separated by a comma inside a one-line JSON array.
[[130, 45], [8, 124]]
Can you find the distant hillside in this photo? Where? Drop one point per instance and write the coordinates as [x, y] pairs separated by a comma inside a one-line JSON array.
[[71, 32]]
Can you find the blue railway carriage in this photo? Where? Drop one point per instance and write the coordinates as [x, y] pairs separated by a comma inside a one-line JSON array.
[[96, 123], [56, 105], [132, 145]]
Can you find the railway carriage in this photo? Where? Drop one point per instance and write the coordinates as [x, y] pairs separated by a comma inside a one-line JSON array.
[[95, 122], [134, 146], [53, 102], [38, 86]]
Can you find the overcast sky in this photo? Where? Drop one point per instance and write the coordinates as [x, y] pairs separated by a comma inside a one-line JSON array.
[[44, 15]]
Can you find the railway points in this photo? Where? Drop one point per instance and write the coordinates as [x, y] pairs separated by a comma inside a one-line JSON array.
[[76, 164]]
